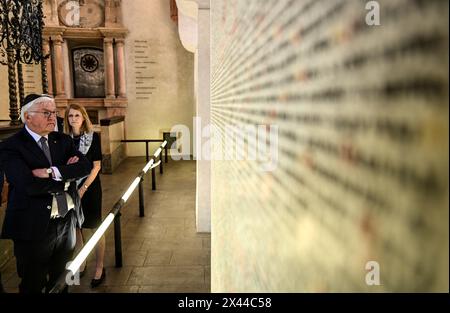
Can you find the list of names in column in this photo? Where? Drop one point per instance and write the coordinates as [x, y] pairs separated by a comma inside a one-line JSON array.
[[144, 77]]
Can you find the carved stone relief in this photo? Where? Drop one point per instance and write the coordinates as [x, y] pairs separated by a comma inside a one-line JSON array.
[[89, 73], [84, 14]]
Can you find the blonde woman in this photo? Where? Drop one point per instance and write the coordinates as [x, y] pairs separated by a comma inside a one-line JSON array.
[[79, 127]]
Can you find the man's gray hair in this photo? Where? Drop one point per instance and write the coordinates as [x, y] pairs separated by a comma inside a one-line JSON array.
[[30, 104]]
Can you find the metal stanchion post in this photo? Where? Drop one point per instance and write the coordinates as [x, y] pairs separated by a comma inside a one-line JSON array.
[[141, 197], [146, 152], [161, 164], [165, 152], [118, 240], [153, 179]]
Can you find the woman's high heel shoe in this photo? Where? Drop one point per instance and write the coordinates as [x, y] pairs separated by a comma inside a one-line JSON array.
[[95, 282]]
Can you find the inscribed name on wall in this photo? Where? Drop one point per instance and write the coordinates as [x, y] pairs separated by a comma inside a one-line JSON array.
[[144, 74]]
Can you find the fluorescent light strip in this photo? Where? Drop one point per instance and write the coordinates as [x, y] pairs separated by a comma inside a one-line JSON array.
[[130, 189], [156, 164], [157, 152], [148, 165], [81, 257], [87, 248]]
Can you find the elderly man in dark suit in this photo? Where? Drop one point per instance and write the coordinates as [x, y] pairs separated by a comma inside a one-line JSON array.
[[41, 166]]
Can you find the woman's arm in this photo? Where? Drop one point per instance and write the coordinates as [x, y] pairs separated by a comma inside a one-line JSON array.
[[95, 169]]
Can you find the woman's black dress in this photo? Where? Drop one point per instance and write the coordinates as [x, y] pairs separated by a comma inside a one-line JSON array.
[[91, 202]]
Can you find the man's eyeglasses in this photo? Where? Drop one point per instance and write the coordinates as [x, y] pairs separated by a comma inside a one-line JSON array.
[[47, 114]]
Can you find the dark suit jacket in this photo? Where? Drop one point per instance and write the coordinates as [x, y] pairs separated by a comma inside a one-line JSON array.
[[29, 198]]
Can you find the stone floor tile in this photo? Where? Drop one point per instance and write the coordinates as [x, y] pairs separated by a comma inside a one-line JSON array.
[[122, 289], [160, 275], [186, 288], [183, 257], [158, 257]]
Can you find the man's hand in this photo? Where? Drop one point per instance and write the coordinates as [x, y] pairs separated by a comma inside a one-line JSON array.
[[40, 172], [73, 160]]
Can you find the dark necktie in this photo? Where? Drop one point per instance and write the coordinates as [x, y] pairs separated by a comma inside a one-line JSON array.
[[44, 147], [60, 197]]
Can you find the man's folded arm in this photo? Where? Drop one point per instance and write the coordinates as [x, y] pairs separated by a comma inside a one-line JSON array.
[[20, 175], [76, 170]]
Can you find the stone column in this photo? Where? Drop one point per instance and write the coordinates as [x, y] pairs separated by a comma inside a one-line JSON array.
[[203, 196], [59, 71], [120, 52], [66, 70], [48, 66], [109, 68]]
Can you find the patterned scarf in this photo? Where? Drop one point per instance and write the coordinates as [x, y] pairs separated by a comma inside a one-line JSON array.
[[85, 145]]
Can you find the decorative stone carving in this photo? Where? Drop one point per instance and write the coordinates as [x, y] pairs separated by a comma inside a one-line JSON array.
[[89, 74], [85, 14], [50, 12], [118, 11], [173, 11], [113, 13], [95, 24]]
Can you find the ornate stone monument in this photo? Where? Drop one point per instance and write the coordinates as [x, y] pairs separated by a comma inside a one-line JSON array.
[[85, 40]]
